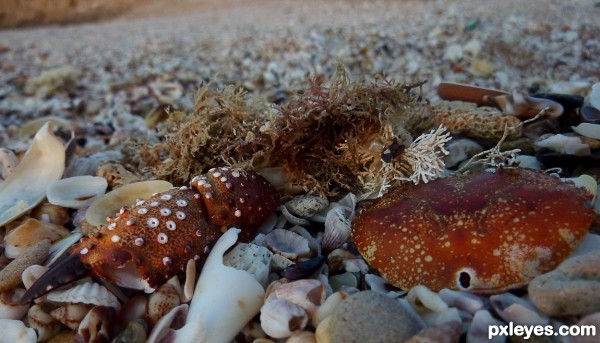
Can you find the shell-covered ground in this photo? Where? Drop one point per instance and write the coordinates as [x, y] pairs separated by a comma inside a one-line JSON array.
[[325, 98]]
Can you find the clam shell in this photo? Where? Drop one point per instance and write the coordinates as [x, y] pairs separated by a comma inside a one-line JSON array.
[[287, 243], [279, 318], [308, 294], [588, 130], [110, 203], [337, 229], [85, 293], [29, 233], [16, 332], [10, 304], [71, 315], [8, 162], [252, 258], [76, 191], [425, 300], [44, 162], [161, 302]]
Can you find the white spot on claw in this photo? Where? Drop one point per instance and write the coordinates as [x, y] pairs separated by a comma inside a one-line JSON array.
[[162, 238], [111, 226], [84, 251], [115, 238], [138, 241], [181, 203], [166, 196], [180, 215], [171, 225], [152, 222], [165, 211], [237, 213], [142, 210], [167, 261]]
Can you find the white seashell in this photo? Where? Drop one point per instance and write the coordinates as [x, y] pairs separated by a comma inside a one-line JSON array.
[[166, 92], [71, 315], [132, 309], [269, 224], [564, 144], [279, 318], [307, 293], [10, 304], [348, 203], [161, 302], [215, 314], [85, 293], [59, 248], [292, 219], [305, 206], [594, 95], [287, 243], [15, 331], [425, 300], [478, 331], [588, 130], [465, 301], [328, 307], [450, 314], [43, 323], [585, 181], [29, 233], [337, 229], [302, 337], [382, 286], [110, 203], [43, 163], [190, 281], [252, 258], [279, 263], [97, 324], [589, 243], [32, 273], [531, 162], [517, 310], [76, 191], [8, 162]]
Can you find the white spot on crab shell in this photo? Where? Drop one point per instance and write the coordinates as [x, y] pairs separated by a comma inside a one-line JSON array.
[[138, 241], [180, 215], [235, 173], [84, 251], [216, 174], [166, 197], [223, 179], [165, 211], [152, 222], [111, 226], [130, 222], [142, 210], [208, 195], [140, 203], [167, 261], [122, 210], [181, 203], [162, 238], [196, 196], [237, 213], [171, 225], [154, 203], [183, 188], [228, 185], [115, 238], [242, 201]]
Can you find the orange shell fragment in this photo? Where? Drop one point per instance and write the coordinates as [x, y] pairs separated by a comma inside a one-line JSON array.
[[484, 232]]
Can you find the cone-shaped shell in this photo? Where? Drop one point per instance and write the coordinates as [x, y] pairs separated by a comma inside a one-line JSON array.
[[482, 232]]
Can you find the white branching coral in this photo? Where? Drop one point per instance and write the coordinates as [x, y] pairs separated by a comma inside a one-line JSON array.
[[424, 156]]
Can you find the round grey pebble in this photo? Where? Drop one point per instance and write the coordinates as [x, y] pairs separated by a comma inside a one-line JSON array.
[[372, 317], [571, 289], [305, 206]]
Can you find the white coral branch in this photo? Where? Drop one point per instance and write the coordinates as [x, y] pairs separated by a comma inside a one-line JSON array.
[[424, 156]]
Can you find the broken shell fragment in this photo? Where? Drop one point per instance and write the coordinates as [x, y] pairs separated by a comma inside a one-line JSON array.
[[29, 233], [47, 212], [305, 206], [43, 323], [161, 302], [16, 332], [85, 293], [43, 163], [337, 229], [71, 315], [588, 130], [110, 203], [308, 294], [10, 304], [76, 191], [97, 325], [483, 232], [287, 243], [252, 258], [279, 318]]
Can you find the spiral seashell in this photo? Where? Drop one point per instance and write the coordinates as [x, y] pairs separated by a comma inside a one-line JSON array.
[[337, 229], [85, 293]]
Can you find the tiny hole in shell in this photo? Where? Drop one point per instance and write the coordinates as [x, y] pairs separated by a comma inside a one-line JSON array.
[[464, 280]]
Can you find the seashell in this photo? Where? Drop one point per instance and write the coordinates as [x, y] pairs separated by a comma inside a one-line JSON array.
[[71, 315], [589, 243], [11, 275], [531, 162], [591, 322], [280, 263], [382, 286], [252, 258], [564, 144], [308, 294], [303, 269], [59, 248], [8, 162], [132, 309], [594, 95], [585, 182], [43, 323], [305, 206], [32, 273], [448, 332], [460, 150], [135, 332], [161, 302], [465, 301], [340, 281], [479, 329], [34, 125], [76, 191], [328, 307], [110, 203], [10, 304], [47, 212], [166, 92], [85, 293], [424, 300], [302, 337], [280, 317], [518, 310], [448, 315], [215, 313], [15, 331], [29, 233], [97, 325], [292, 219], [588, 130], [348, 203], [337, 229], [287, 243], [88, 165], [43, 163]]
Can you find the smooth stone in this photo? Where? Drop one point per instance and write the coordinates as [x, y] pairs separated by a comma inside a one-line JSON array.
[[372, 317], [591, 320], [572, 289], [305, 206], [446, 333], [460, 150]]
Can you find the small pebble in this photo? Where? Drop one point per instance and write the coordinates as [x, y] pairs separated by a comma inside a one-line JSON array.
[[572, 289], [446, 333], [370, 317]]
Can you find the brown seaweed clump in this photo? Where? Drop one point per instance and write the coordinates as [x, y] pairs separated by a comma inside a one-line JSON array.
[[346, 136]]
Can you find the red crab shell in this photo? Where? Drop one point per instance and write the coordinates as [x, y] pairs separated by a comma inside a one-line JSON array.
[[148, 243]]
